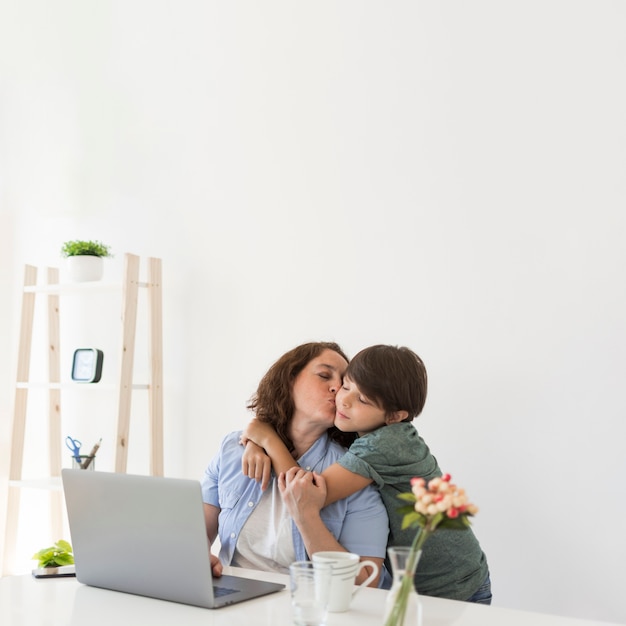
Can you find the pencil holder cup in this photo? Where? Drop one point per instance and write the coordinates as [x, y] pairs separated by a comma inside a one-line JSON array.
[[85, 462]]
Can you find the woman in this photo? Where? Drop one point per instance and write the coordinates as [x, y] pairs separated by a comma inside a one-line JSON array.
[[269, 529]]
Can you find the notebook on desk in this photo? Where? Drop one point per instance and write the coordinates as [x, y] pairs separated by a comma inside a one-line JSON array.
[[146, 535]]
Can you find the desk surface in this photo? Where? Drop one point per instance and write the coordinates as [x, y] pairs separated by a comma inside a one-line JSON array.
[[26, 601]]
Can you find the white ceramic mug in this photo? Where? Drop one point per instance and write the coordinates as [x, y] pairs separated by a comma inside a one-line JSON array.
[[346, 567]]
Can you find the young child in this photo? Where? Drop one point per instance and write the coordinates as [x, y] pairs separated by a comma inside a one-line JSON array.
[[383, 389]]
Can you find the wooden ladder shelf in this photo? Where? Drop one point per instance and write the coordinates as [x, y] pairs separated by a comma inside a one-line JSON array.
[[130, 287]]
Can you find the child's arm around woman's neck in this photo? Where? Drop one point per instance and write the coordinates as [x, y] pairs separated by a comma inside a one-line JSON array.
[[340, 482]]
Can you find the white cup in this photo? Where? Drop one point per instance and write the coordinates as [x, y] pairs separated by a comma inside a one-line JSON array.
[[346, 567], [310, 588]]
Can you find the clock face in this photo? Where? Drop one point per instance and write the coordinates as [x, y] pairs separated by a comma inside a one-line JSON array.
[[87, 365]]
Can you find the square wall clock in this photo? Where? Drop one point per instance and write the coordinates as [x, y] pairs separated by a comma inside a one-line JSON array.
[[87, 365]]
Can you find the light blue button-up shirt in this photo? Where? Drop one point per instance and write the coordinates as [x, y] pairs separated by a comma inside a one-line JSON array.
[[359, 522]]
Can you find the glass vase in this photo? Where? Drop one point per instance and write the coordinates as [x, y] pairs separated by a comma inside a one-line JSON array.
[[403, 606]]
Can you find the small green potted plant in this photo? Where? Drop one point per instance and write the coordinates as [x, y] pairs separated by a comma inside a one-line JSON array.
[[84, 259], [55, 560]]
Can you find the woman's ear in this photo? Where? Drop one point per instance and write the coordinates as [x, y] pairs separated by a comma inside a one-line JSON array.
[[396, 416]]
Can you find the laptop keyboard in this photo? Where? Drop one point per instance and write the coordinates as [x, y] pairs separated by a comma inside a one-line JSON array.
[[220, 592]]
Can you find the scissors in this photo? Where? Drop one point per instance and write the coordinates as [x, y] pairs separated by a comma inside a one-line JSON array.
[[74, 445]]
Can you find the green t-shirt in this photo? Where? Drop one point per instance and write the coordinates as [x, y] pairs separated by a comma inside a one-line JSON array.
[[452, 564]]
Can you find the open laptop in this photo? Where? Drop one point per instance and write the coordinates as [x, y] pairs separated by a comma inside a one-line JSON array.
[[146, 535]]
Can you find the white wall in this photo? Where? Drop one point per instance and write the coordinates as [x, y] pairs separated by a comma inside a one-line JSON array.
[[447, 176]]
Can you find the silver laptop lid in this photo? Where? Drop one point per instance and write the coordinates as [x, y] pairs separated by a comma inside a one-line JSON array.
[[144, 535]]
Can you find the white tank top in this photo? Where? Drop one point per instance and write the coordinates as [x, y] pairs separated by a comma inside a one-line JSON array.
[[266, 541]]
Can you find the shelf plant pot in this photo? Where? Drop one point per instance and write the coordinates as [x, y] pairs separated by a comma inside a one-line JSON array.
[[84, 268]]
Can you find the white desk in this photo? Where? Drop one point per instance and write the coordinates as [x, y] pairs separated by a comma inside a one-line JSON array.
[[26, 601]]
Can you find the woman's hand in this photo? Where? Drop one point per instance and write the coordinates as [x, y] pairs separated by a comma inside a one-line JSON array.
[[216, 565], [256, 464], [303, 493]]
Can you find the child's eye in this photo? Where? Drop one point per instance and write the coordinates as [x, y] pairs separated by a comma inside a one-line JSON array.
[[363, 400]]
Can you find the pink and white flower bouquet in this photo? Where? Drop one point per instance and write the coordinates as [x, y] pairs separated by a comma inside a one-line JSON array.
[[432, 505]]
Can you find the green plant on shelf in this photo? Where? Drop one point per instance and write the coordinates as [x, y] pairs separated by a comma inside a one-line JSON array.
[[85, 248], [55, 556]]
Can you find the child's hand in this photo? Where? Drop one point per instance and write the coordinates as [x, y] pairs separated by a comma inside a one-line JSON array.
[[256, 464]]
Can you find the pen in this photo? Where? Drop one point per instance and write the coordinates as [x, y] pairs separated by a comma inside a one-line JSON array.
[[92, 454]]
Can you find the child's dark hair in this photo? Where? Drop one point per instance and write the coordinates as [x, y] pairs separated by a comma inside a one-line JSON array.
[[393, 377]]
